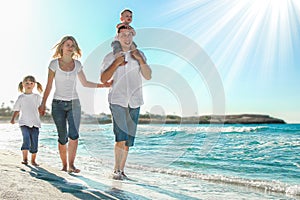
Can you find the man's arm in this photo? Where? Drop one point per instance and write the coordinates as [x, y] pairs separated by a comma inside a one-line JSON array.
[[108, 73]]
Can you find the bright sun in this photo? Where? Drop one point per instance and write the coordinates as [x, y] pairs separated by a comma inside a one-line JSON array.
[[242, 35], [276, 8]]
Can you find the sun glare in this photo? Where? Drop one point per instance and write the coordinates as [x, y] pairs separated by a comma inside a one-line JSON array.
[[277, 4], [254, 35], [277, 8], [15, 19]]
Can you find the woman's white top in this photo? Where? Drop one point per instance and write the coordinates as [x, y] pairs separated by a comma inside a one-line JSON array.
[[65, 81], [28, 105]]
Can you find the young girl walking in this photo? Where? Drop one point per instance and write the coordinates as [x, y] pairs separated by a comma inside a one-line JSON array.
[[29, 121]]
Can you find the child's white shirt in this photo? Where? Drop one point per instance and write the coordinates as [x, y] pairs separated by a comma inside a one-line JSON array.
[[28, 105]]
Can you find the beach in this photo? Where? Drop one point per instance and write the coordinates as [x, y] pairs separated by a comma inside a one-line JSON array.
[[20, 181], [167, 162]]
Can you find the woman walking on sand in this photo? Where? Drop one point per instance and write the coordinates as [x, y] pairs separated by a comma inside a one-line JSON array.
[[66, 108]]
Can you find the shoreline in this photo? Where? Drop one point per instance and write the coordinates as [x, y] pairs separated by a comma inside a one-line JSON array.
[[43, 182], [174, 119]]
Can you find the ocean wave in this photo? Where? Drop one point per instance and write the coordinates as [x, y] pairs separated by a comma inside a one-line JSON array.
[[264, 185], [164, 130], [211, 128]]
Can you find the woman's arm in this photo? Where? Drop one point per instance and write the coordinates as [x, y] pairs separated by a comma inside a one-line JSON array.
[[89, 84], [42, 107]]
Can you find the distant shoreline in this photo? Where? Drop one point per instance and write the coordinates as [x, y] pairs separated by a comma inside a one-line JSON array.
[[174, 119]]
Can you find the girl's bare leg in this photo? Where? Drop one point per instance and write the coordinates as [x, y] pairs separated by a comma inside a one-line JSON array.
[[25, 157], [33, 157]]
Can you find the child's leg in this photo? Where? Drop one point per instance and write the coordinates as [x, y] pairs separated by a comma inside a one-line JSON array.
[[33, 157], [133, 46], [117, 49], [34, 138], [25, 157], [26, 143]]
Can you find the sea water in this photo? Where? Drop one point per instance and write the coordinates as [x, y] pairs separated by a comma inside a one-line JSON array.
[[182, 161]]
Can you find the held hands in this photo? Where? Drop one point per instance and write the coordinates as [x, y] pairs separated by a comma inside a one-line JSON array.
[[42, 109], [106, 84]]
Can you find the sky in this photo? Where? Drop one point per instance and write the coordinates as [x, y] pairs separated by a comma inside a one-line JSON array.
[[207, 56]]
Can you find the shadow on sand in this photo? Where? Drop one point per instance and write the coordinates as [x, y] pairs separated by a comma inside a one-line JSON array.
[[96, 190], [76, 189]]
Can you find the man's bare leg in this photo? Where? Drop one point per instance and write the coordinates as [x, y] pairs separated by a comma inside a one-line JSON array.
[[119, 149], [124, 158]]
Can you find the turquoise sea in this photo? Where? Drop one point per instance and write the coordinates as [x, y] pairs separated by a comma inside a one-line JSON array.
[[183, 161]]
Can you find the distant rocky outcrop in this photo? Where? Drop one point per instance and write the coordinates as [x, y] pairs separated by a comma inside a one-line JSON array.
[[211, 119], [244, 119]]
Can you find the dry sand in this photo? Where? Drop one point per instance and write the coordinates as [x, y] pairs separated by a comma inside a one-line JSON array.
[[20, 181]]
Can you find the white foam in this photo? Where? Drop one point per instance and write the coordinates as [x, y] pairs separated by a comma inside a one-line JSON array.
[[160, 130], [267, 186]]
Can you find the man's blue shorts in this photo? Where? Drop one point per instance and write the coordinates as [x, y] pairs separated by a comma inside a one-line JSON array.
[[63, 112], [125, 122]]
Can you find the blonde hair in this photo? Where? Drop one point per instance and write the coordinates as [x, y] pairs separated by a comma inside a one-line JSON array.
[[58, 48], [32, 79]]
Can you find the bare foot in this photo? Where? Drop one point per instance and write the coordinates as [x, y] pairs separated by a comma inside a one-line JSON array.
[[73, 170], [64, 169], [24, 162], [35, 164]]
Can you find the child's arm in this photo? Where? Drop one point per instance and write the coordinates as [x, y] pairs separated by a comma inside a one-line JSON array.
[[119, 25], [128, 26], [15, 114], [133, 31]]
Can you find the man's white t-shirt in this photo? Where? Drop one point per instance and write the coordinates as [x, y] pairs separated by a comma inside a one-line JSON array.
[[65, 82], [126, 89], [28, 105]]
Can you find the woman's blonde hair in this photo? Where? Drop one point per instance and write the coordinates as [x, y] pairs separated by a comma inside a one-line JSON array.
[[31, 79], [58, 48]]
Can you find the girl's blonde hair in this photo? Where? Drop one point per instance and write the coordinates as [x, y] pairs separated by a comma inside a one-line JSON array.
[[32, 79], [58, 48]]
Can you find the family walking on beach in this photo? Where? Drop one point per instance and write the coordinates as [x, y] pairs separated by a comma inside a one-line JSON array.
[[121, 70]]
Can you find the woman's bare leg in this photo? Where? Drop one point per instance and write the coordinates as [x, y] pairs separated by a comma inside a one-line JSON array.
[[72, 149], [63, 156]]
